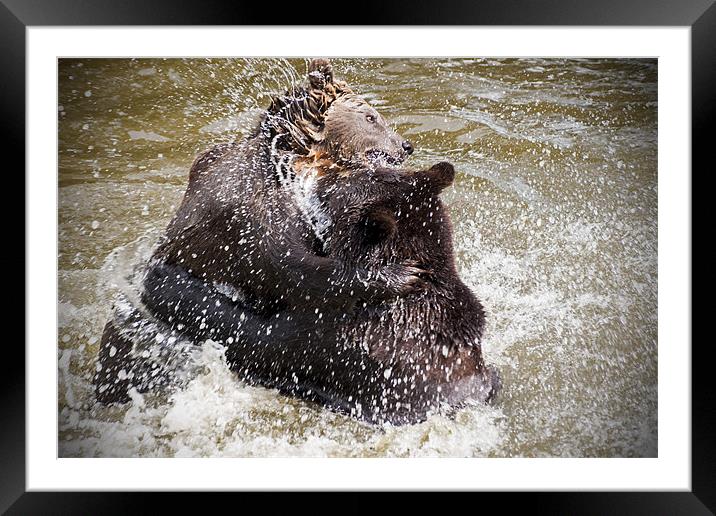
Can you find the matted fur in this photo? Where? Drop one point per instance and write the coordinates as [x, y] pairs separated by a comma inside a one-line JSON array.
[[296, 118]]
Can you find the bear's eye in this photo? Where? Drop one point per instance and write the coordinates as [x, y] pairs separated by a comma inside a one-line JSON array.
[[370, 118]]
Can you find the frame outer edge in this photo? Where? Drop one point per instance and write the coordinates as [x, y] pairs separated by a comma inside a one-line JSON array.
[[420, 12], [12, 97], [703, 112], [12, 379]]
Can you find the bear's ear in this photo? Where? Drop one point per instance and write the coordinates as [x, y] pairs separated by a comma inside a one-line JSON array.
[[441, 175], [320, 73]]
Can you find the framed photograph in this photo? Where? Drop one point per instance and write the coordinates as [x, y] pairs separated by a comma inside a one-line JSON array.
[[451, 252]]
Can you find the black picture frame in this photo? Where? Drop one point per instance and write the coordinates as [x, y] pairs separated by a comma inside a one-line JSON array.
[[700, 15]]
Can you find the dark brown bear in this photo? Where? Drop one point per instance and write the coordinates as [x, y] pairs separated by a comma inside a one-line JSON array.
[[393, 361], [240, 224]]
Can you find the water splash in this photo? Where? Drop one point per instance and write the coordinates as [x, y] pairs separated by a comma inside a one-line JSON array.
[[555, 220]]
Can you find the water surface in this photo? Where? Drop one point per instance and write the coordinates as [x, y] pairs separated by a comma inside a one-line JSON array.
[[555, 213]]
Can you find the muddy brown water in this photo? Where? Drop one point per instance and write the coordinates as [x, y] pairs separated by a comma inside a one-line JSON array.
[[555, 213]]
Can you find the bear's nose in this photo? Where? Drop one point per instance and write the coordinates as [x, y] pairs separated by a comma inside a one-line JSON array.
[[408, 147]]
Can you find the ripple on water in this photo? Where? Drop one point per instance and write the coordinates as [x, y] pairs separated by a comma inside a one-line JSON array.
[[554, 211]]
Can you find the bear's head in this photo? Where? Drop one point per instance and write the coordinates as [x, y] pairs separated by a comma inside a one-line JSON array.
[[356, 134], [328, 120]]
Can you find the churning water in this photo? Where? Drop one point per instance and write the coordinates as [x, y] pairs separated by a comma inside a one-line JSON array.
[[555, 213]]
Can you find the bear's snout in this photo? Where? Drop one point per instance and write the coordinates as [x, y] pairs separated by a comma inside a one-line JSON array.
[[408, 147]]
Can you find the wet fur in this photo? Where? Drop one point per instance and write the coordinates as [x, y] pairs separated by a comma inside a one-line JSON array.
[[395, 361]]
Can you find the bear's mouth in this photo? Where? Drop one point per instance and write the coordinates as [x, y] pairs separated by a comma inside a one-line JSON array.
[[378, 157]]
